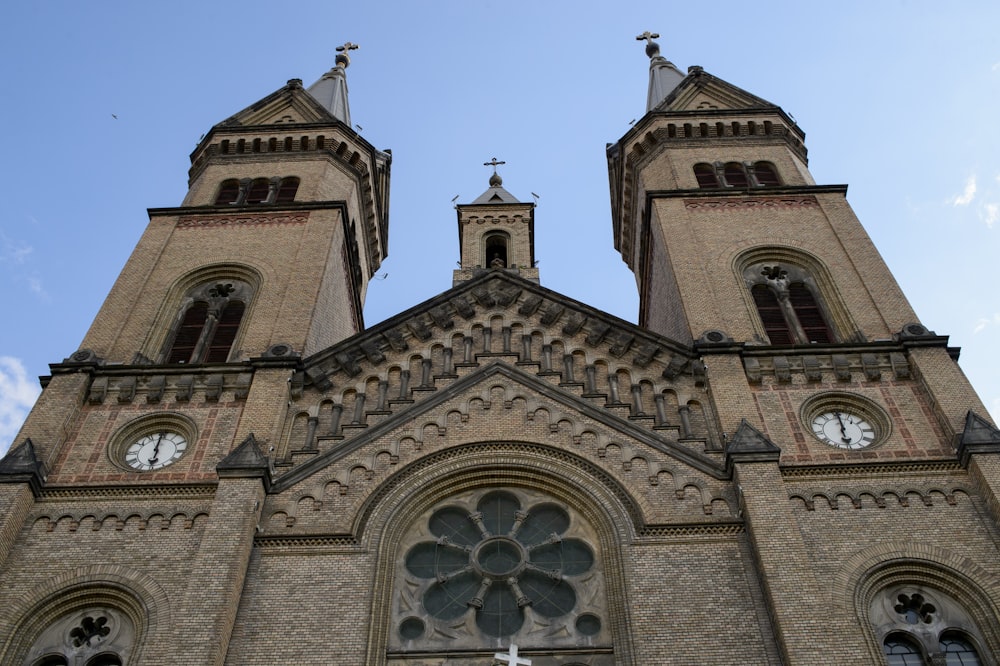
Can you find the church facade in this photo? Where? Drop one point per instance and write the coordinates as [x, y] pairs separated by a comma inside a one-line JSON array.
[[778, 465]]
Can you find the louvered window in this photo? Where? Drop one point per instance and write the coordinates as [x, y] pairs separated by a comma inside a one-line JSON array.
[[707, 179], [229, 192], [258, 191], [808, 313], [188, 334], [225, 333], [735, 175], [766, 174], [777, 328], [287, 190]]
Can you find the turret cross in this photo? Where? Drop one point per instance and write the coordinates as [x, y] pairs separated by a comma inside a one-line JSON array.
[[348, 46], [511, 657], [493, 163], [647, 36]]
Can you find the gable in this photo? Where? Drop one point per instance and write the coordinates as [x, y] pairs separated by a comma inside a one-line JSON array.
[[700, 91], [290, 104]]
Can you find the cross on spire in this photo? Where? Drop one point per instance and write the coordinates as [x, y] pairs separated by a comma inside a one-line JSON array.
[[511, 658], [493, 163], [343, 59], [351, 46], [647, 36], [652, 48]]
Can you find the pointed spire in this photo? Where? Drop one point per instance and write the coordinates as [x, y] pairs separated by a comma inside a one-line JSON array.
[[496, 193], [663, 75], [331, 89]]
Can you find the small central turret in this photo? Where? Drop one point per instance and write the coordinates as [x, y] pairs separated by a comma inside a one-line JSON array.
[[496, 232]]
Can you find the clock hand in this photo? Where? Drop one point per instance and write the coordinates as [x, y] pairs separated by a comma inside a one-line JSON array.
[[843, 429], [156, 449]]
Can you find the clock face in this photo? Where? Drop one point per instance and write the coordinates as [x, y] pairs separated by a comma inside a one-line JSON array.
[[155, 451], [845, 430]]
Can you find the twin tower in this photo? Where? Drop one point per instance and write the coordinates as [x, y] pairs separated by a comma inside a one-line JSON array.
[[777, 465]]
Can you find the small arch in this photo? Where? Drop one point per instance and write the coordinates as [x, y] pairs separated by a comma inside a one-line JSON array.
[[229, 192], [289, 144], [304, 143], [287, 189], [258, 191], [272, 145], [495, 249], [735, 175], [765, 174], [902, 650], [706, 176]]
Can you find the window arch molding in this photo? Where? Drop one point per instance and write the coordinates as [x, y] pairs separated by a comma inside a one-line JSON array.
[[391, 512], [186, 290], [134, 599], [874, 579], [796, 267]]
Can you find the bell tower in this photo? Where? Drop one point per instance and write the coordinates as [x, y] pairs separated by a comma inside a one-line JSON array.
[[496, 232], [284, 222]]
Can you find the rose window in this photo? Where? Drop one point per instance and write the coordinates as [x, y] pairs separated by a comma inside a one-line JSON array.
[[498, 560]]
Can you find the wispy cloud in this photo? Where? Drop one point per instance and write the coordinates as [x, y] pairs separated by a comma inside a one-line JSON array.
[[12, 251], [991, 213], [17, 395], [967, 195], [983, 322]]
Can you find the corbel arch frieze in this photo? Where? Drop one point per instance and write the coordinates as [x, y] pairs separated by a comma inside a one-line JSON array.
[[880, 497]]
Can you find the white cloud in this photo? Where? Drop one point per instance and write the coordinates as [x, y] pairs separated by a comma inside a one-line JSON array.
[[12, 251], [991, 214], [983, 322], [17, 394], [968, 194]]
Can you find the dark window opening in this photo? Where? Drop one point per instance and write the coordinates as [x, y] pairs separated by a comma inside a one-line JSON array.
[[51, 661], [288, 144], [808, 312], [304, 143], [229, 192], [320, 142], [287, 190], [958, 650], [225, 333], [258, 191], [241, 145], [735, 175], [705, 173], [105, 660], [224, 146], [188, 333], [777, 329], [766, 174], [272, 145], [496, 251], [256, 146]]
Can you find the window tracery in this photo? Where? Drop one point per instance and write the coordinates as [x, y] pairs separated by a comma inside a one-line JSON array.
[[785, 298], [98, 636], [918, 626], [208, 323], [498, 564]]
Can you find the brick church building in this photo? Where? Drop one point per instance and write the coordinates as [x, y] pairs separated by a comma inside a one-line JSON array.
[[778, 465]]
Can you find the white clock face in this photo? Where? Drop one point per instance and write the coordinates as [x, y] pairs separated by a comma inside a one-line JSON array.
[[843, 430], [155, 451]]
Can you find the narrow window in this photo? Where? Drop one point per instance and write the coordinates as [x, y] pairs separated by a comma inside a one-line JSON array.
[[304, 143], [225, 333], [703, 129], [777, 329], [288, 144], [735, 175], [272, 145], [736, 128], [766, 174], [224, 146], [258, 191], [256, 145], [751, 127], [241, 145], [958, 650], [901, 651], [188, 333], [720, 129], [808, 313], [287, 190], [705, 173], [672, 131], [229, 192], [320, 142], [496, 251]]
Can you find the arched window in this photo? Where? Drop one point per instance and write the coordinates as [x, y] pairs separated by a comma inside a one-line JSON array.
[[287, 189], [707, 178], [735, 175], [258, 191], [93, 636], [765, 174], [52, 660], [495, 247], [959, 650], [900, 650], [229, 192], [207, 327], [785, 298]]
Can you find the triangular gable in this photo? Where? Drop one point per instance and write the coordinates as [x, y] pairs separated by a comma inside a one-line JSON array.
[[979, 436], [700, 90], [290, 104], [472, 383]]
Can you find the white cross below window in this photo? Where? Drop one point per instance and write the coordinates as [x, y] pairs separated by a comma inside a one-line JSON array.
[[511, 657]]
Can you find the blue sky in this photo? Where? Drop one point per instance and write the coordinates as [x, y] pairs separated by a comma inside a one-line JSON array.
[[106, 100]]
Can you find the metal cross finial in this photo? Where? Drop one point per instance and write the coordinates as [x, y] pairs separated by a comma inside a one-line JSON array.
[[348, 46], [647, 36], [652, 48], [511, 658], [493, 163]]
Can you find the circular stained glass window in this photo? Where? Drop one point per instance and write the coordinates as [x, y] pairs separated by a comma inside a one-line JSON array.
[[498, 560]]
